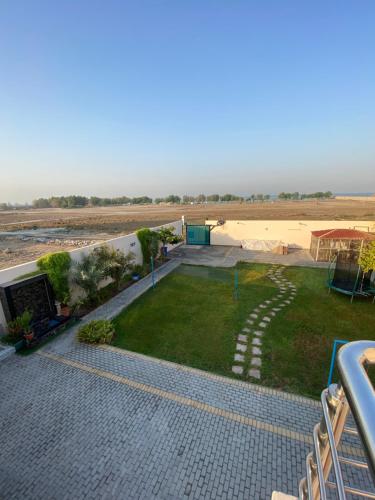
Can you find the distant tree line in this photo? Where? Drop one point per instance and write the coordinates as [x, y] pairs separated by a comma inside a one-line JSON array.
[[74, 201], [301, 196]]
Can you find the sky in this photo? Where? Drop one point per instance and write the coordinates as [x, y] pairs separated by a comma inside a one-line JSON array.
[[157, 97]]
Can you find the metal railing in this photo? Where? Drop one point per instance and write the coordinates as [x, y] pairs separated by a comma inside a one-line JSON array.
[[354, 394]]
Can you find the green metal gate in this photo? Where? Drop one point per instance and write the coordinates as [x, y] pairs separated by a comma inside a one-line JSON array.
[[197, 235]]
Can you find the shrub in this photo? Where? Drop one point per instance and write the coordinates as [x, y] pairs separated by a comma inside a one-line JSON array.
[[20, 325], [166, 235], [367, 257], [99, 331], [114, 263], [149, 241], [87, 274], [57, 266]]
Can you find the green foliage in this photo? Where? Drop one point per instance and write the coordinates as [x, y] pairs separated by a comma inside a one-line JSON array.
[[57, 266], [149, 241], [20, 325], [166, 235], [88, 275], [367, 257], [96, 332], [114, 263]]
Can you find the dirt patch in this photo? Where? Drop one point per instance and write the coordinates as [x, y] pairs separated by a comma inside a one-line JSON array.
[[98, 224]]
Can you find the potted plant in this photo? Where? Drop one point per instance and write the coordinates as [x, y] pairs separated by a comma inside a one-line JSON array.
[[167, 236], [25, 322]]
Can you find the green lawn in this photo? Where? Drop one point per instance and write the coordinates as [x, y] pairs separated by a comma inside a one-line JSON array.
[[192, 318], [297, 347]]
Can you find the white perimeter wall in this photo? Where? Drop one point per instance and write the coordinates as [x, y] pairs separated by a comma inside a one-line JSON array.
[[128, 243], [295, 233]]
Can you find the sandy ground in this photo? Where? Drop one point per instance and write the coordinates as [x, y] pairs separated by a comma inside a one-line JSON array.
[[80, 227]]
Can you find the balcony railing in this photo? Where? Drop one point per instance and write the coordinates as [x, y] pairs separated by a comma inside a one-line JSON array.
[[354, 395]]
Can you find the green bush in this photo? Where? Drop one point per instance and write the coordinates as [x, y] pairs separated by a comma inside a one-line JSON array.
[[20, 325], [149, 241], [87, 274], [57, 266], [99, 331]]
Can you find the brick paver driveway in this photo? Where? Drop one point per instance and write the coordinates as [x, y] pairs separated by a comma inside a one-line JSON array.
[[93, 422]]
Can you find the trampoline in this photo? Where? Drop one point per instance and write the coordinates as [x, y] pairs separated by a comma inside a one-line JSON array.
[[346, 276]]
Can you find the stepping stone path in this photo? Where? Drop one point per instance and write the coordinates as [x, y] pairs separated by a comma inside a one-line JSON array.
[[286, 294]]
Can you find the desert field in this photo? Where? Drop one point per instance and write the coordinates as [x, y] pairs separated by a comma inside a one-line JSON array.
[[27, 234]]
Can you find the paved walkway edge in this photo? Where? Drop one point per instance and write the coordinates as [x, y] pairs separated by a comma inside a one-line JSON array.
[[212, 376]]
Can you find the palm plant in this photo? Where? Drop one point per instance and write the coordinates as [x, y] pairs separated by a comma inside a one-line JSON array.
[[114, 263], [87, 275]]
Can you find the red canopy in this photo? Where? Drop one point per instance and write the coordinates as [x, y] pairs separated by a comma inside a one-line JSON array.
[[343, 234]]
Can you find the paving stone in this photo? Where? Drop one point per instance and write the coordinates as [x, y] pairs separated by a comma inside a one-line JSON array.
[[246, 330], [254, 373], [257, 310], [250, 321], [256, 362], [256, 351], [272, 313], [253, 315], [287, 302], [242, 338], [239, 357], [258, 333], [266, 318], [256, 341], [262, 324], [263, 306], [237, 369], [241, 347], [276, 309], [268, 302]]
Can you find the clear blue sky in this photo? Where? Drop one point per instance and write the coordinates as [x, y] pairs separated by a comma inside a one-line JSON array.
[[186, 96]]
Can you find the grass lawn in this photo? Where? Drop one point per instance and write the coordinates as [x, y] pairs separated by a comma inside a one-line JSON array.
[[298, 344], [192, 318]]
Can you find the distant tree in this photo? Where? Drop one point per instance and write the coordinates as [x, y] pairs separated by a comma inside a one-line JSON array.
[[213, 197], [142, 200], [159, 200], [188, 199], [41, 203], [3, 206], [94, 201], [173, 198], [201, 198], [260, 197], [229, 197], [267, 197]]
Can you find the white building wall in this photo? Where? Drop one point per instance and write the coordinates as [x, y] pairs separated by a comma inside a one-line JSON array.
[[128, 243], [295, 233]]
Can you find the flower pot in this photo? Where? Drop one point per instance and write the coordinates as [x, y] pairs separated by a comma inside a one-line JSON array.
[[29, 336], [65, 310]]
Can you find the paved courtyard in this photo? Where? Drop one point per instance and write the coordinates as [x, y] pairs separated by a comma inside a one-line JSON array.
[[227, 256], [98, 422]]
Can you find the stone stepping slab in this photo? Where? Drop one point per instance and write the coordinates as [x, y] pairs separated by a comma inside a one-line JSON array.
[[256, 362], [254, 373], [242, 338], [256, 351], [256, 341], [241, 347], [238, 370], [239, 357]]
